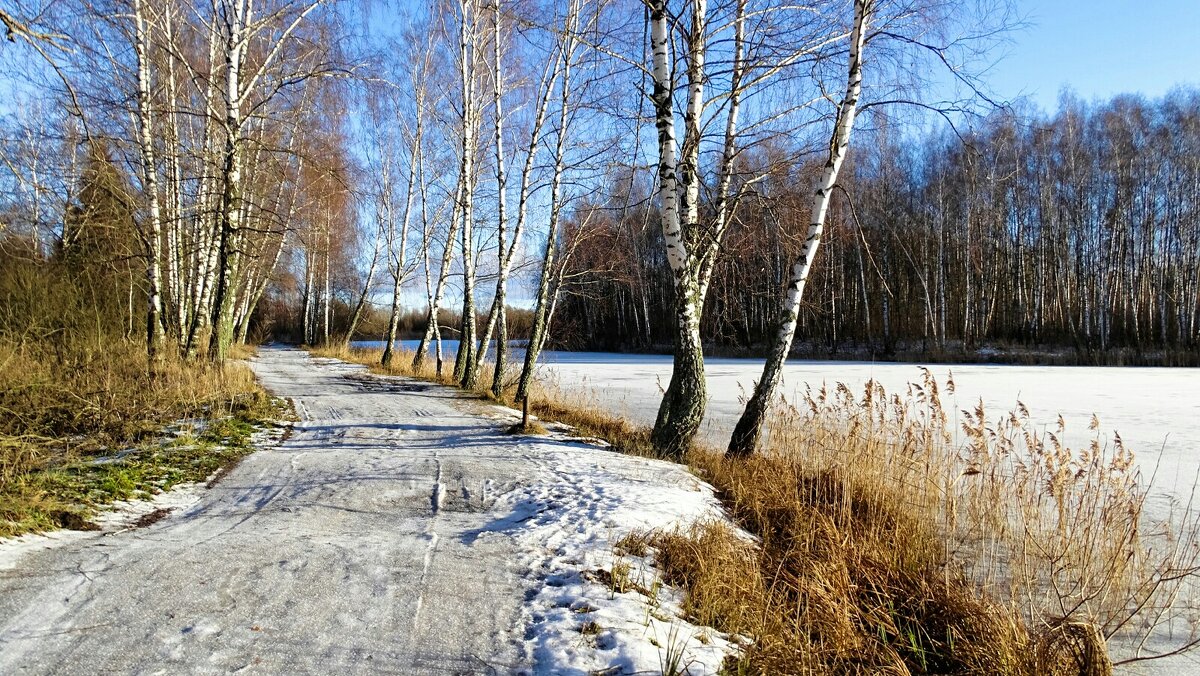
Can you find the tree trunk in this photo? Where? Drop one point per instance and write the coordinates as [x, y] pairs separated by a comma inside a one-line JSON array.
[[464, 373], [431, 325], [682, 407], [748, 431], [496, 315], [221, 334], [153, 234], [361, 305], [537, 332]]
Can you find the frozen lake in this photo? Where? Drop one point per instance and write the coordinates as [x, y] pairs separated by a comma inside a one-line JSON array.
[[1155, 410]]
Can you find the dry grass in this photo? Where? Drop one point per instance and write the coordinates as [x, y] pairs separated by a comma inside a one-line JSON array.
[[531, 428], [842, 580], [896, 541], [401, 362], [544, 402], [1059, 537], [79, 428]]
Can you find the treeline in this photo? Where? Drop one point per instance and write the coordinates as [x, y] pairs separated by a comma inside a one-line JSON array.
[[277, 320], [1070, 237], [190, 146]]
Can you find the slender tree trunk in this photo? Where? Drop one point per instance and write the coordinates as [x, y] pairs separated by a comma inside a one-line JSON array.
[[537, 332], [463, 371], [496, 315], [361, 305], [555, 67], [416, 165], [541, 310], [306, 322], [327, 294], [432, 330], [255, 295], [748, 431], [153, 233]]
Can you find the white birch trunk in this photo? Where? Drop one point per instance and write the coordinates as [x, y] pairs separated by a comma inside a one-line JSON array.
[[205, 220], [748, 431], [535, 137], [432, 330], [682, 408], [496, 315], [541, 312], [463, 372], [399, 263], [153, 233], [231, 203]]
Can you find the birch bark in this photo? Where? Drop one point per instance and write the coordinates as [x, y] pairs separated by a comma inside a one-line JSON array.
[[549, 79], [153, 234], [399, 262], [432, 329], [683, 404], [496, 315], [541, 312], [747, 433], [230, 207], [463, 371]]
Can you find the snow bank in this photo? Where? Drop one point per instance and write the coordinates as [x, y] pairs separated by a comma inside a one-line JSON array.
[[592, 608]]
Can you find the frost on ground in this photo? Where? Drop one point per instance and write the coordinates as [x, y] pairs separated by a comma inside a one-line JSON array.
[[123, 516], [119, 517], [397, 529]]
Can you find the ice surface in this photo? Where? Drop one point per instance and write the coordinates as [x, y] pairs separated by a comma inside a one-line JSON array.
[[1155, 410]]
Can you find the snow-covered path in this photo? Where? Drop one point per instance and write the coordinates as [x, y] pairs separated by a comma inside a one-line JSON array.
[[397, 530]]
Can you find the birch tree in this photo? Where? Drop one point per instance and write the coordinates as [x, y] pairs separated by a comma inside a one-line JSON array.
[[468, 34], [398, 240], [691, 244], [239, 27], [497, 316], [748, 430], [544, 298], [153, 233], [557, 65]]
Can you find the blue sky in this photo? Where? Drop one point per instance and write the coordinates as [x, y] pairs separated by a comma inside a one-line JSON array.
[[1100, 48]]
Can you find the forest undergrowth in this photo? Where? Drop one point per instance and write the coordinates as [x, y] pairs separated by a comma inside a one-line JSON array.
[[85, 420], [896, 536]]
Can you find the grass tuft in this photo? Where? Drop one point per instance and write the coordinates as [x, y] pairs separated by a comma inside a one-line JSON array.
[[106, 428]]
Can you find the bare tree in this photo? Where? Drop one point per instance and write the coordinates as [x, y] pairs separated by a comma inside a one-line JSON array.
[[747, 432]]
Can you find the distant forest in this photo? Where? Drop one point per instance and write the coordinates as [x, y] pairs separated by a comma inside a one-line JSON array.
[[1070, 237]]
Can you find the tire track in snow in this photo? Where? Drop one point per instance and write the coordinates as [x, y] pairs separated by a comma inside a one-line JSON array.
[[435, 500]]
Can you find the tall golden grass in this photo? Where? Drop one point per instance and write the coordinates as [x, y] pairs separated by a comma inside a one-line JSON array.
[[1058, 535], [59, 408]]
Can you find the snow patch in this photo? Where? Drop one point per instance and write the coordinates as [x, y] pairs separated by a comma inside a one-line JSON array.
[[119, 517], [594, 609]]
